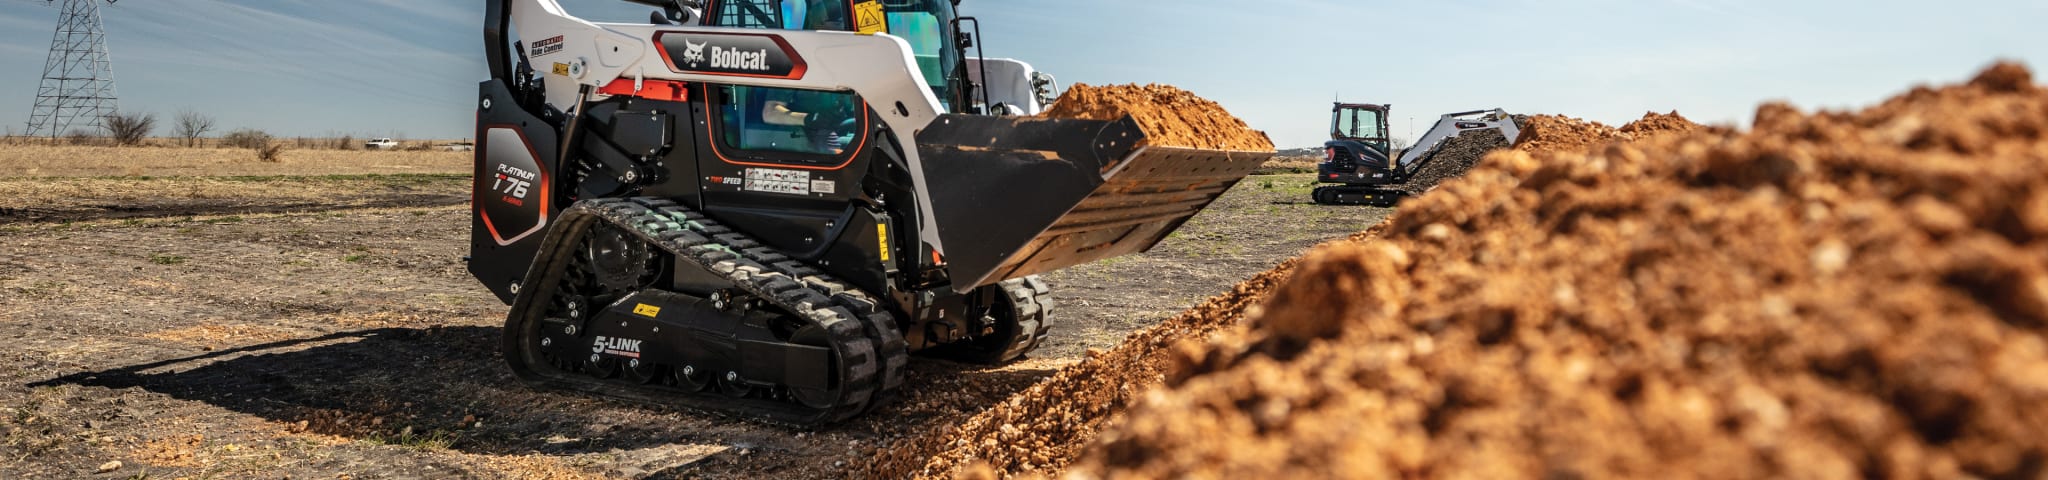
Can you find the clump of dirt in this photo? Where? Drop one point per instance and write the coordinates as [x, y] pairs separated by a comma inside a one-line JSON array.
[[1835, 295], [1455, 157], [1170, 116]]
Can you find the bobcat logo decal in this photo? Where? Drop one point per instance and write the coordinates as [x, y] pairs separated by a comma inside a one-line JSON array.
[[693, 53]]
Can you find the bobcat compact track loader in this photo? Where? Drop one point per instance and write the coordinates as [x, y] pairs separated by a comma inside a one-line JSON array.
[[761, 208], [1359, 154]]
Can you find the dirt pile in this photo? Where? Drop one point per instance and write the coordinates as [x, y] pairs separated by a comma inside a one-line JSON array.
[[1556, 133], [1551, 133], [1457, 156], [1837, 295], [1654, 123], [1043, 428], [1169, 115]]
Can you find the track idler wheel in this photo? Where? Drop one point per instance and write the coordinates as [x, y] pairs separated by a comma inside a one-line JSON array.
[[1022, 315], [691, 378]]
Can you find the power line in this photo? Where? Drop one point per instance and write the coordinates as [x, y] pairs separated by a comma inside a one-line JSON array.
[[78, 78]]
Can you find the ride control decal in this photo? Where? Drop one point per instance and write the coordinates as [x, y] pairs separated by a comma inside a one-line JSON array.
[[745, 55], [646, 310], [547, 47], [869, 18]]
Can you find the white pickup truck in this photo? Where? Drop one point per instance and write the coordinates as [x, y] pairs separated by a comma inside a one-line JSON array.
[[381, 144]]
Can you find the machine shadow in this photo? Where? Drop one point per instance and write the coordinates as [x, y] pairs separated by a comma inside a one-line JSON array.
[[396, 385]]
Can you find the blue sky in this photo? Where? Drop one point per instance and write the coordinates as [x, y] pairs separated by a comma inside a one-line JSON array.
[[409, 67]]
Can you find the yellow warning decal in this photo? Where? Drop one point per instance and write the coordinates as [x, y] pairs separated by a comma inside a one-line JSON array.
[[562, 69], [646, 310], [869, 18], [882, 234]]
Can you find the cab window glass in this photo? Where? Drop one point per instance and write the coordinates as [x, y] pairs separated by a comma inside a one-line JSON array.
[[783, 14], [786, 120], [781, 119]]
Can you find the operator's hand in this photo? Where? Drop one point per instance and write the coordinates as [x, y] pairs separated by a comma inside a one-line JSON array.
[[778, 113]]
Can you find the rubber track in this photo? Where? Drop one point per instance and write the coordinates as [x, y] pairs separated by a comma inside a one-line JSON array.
[[870, 349], [1031, 301], [1319, 195]]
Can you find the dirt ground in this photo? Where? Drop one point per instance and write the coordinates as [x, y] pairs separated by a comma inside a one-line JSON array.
[[351, 341], [76, 199]]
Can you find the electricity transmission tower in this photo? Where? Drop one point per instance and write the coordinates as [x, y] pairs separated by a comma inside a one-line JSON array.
[[78, 79]]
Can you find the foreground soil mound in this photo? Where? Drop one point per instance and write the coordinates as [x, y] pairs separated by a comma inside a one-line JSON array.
[[1457, 156], [1043, 428], [1169, 115], [1838, 295]]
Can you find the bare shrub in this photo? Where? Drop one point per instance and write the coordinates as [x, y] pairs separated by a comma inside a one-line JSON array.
[[419, 146], [346, 142], [129, 129], [81, 137], [246, 138], [272, 153], [191, 125]]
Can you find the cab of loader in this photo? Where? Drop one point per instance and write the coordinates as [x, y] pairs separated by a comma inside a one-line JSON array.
[[1358, 134], [931, 27]]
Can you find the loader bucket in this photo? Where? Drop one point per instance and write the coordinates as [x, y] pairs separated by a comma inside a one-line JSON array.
[[1018, 196]]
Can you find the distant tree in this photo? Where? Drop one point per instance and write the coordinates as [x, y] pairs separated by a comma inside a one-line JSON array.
[[128, 129], [192, 125], [1400, 144]]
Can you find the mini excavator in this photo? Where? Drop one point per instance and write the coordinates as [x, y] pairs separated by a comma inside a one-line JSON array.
[[762, 208], [1359, 155]]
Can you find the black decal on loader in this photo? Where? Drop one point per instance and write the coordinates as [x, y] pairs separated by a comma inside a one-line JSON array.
[[746, 55]]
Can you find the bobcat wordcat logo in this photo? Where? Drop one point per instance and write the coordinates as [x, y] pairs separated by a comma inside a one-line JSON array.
[[616, 346], [723, 58], [693, 53], [737, 59]]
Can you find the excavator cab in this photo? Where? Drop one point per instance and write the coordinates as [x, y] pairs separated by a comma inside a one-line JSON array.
[[1358, 135]]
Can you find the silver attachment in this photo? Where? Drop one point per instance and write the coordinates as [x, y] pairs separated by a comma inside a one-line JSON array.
[[569, 330], [593, 358], [689, 370], [515, 288], [630, 177], [732, 376], [546, 341], [487, 104], [634, 363]]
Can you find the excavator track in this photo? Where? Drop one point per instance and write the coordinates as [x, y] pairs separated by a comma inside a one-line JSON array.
[[1358, 195], [867, 351]]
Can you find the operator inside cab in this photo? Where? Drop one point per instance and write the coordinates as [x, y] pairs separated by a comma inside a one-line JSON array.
[[823, 123], [827, 118]]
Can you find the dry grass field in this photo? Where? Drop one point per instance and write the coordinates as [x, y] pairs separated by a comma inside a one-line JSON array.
[[35, 161], [66, 183], [1288, 165]]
